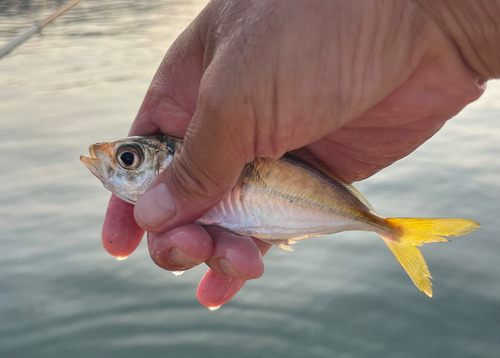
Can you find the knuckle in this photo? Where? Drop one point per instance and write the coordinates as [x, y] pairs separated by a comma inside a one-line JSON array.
[[167, 256]]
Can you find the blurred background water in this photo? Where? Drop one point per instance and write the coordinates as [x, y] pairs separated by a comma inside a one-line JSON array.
[[62, 295]]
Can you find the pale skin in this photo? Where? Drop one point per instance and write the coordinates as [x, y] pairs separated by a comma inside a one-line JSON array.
[[360, 84]]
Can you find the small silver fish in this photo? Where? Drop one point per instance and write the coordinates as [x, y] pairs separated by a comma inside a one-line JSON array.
[[278, 201]]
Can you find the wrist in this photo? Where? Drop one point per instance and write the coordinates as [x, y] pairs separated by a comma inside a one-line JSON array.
[[474, 26]]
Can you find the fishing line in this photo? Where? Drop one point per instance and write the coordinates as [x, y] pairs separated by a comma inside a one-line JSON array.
[[34, 29]]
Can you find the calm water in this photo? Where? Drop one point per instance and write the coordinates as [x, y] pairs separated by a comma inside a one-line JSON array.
[[62, 295]]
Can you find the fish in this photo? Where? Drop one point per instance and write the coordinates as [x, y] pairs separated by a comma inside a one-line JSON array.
[[278, 201]]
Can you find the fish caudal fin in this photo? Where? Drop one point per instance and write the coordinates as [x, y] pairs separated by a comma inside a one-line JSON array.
[[408, 233]]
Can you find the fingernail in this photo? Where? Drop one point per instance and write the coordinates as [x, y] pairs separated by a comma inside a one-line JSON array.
[[183, 260], [155, 206], [227, 268]]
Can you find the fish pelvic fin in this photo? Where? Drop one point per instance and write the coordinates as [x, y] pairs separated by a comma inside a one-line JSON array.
[[285, 244], [408, 233]]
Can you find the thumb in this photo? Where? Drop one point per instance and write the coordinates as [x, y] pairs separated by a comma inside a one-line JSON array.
[[201, 174]]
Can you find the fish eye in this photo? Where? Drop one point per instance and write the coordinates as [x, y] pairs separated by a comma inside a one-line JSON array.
[[129, 156]]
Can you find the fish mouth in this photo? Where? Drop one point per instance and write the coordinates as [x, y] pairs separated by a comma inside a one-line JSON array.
[[93, 163]]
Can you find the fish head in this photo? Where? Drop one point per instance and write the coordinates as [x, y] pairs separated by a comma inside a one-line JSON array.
[[127, 167]]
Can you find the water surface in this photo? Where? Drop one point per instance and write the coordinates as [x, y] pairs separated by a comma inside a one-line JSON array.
[[62, 295]]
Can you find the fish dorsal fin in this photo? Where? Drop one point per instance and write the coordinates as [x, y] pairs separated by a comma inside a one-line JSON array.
[[307, 158]]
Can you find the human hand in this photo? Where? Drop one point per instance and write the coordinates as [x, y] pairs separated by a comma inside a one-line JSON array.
[[360, 84]]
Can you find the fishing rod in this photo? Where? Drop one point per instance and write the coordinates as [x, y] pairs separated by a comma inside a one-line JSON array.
[[34, 29]]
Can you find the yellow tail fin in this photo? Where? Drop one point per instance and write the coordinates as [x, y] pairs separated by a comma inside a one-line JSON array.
[[409, 233]]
